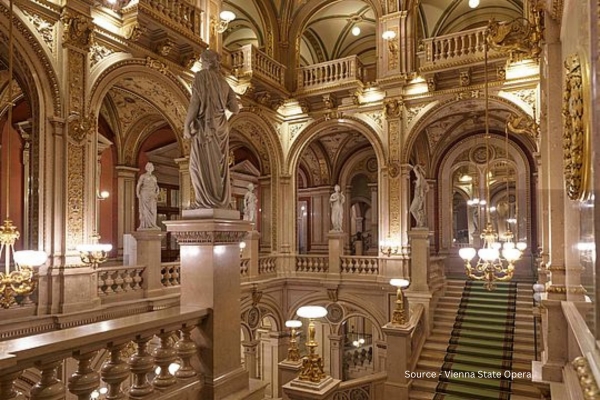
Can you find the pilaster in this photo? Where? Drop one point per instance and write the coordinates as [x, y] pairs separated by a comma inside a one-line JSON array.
[[126, 182]]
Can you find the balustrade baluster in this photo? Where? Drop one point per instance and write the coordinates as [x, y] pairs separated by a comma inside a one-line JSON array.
[[186, 349], [164, 355], [7, 388], [141, 363], [85, 380], [49, 387], [114, 371]]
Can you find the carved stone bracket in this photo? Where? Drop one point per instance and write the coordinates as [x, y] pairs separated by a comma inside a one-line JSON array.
[[78, 31], [392, 108], [209, 237]]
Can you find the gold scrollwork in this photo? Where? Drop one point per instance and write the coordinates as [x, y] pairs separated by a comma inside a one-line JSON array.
[[576, 148], [588, 384]]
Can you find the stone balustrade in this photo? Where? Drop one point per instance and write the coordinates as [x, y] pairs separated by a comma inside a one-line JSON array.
[[180, 15], [49, 352], [306, 263], [368, 387], [454, 49], [359, 265], [113, 281], [170, 274], [267, 265], [244, 267], [250, 61], [330, 73]]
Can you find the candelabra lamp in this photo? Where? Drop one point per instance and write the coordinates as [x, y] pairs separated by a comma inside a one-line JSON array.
[[293, 351], [18, 279], [242, 247], [312, 364], [389, 246], [94, 253], [399, 314]]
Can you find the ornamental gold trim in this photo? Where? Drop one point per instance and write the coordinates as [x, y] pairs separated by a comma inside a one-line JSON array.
[[576, 130], [588, 384]]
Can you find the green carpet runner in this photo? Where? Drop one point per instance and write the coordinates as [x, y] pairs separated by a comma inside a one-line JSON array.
[[478, 359]]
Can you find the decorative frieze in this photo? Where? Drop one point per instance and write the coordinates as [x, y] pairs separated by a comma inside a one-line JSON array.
[[209, 237], [45, 28], [98, 53]]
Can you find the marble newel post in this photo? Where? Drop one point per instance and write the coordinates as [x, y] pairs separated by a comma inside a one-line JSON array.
[[252, 251], [336, 250], [210, 278], [398, 356], [419, 291]]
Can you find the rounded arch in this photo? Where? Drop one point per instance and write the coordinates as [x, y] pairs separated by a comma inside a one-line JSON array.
[[323, 126], [258, 131], [167, 93], [33, 61], [349, 171], [433, 112], [268, 306]]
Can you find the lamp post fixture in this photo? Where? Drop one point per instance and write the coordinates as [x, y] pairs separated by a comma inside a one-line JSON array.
[[399, 314], [94, 253], [293, 351], [389, 246], [312, 364]]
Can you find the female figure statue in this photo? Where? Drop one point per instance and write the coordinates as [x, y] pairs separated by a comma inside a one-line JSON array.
[[207, 126], [250, 201], [337, 200], [417, 207], [147, 192]]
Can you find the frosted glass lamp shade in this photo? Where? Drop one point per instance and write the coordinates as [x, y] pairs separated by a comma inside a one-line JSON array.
[[293, 323], [399, 283], [30, 258], [312, 312]]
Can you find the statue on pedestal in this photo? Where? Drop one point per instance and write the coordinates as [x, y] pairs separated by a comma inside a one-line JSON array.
[[250, 201], [337, 200], [207, 128], [147, 192], [417, 207]]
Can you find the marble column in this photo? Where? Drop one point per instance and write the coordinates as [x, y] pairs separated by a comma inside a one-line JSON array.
[[374, 215], [126, 182], [267, 219], [347, 215], [186, 193], [251, 252], [210, 278], [250, 360], [148, 254], [336, 356]]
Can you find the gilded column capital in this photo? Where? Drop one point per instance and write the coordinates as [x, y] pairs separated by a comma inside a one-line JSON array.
[[78, 30]]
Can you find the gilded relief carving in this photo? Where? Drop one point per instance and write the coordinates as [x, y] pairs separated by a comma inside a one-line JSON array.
[[78, 30], [575, 130], [98, 53], [394, 135], [520, 37], [75, 211], [377, 117], [523, 125], [157, 65], [44, 27], [412, 112], [76, 82], [392, 108]]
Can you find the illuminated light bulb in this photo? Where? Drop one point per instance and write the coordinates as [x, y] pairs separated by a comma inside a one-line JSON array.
[[356, 31], [473, 3]]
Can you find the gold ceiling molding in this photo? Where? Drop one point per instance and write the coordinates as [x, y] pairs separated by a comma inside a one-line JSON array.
[[576, 113]]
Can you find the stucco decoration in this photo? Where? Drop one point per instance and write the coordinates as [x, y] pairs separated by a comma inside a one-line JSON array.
[[44, 27], [576, 150], [130, 107]]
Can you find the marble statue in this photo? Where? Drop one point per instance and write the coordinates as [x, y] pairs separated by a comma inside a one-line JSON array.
[[207, 127], [250, 201], [337, 200], [417, 207], [147, 192]]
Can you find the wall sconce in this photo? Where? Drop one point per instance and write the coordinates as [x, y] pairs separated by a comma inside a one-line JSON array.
[[103, 195], [242, 247], [399, 315], [389, 37], [225, 18], [94, 253], [312, 364], [389, 246], [293, 351]]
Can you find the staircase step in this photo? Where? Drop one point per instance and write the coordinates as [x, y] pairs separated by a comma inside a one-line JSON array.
[[465, 391]]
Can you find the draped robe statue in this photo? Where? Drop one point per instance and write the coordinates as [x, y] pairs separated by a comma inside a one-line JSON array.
[[208, 128]]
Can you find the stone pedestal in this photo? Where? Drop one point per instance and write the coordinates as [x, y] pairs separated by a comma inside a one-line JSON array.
[[555, 352], [336, 250], [252, 251], [301, 390], [398, 357], [148, 254], [289, 370], [336, 359], [419, 291], [210, 278]]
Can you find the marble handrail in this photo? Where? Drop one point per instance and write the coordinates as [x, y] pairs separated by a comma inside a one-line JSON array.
[[306, 263], [359, 265], [329, 73], [170, 274], [119, 279], [48, 351], [180, 15], [248, 60]]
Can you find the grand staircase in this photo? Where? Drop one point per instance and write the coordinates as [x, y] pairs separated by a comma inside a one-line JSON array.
[[436, 356]]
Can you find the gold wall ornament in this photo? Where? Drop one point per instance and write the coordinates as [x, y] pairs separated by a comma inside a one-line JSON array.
[[576, 149], [520, 37], [392, 108], [134, 32], [78, 31], [157, 65], [523, 125]]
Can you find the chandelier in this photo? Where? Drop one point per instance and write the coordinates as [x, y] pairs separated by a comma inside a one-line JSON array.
[[498, 254], [18, 280]]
